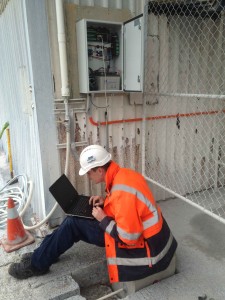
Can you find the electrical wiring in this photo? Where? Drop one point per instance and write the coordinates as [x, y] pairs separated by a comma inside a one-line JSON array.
[[18, 193], [22, 198], [104, 71], [91, 100]]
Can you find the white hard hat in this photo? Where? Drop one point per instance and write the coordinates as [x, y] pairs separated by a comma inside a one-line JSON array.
[[93, 156]]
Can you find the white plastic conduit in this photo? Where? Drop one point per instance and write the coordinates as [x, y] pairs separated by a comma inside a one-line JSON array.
[[64, 73], [62, 48]]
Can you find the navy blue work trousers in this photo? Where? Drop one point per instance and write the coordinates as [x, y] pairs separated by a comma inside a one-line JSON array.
[[72, 230]]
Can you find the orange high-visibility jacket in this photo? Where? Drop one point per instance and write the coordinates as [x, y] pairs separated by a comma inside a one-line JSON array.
[[138, 240]]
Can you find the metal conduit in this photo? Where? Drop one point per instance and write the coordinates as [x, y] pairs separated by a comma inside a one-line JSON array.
[[208, 96]]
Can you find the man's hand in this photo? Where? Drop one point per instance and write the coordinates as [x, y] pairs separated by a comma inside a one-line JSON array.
[[96, 200], [98, 213]]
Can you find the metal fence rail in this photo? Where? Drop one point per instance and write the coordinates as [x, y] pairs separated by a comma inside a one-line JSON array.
[[184, 127]]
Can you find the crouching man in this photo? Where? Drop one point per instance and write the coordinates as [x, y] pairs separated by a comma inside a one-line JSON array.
[[137, 239]]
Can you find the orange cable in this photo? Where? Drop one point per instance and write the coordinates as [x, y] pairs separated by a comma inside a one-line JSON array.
[[155, 117]]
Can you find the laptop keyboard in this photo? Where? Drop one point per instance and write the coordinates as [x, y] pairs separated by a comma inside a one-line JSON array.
[[83, 208]]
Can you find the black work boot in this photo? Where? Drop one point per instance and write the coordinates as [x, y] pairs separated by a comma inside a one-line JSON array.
[[26, 256], [24, 269]]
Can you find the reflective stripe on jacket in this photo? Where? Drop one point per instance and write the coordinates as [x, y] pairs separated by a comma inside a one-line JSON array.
[[137, 238]]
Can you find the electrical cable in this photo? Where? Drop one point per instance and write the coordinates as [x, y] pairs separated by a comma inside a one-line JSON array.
[[104, 68], [104, 72], [17, 193], [22, 198], [97, 105], [22, 202]]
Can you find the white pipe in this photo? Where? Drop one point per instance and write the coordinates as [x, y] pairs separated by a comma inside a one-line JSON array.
[[28, 198], [62, 48], [75, 99], [64, 74], [43, 221], [207, 96], [143, 140], [26, 206], [67, 125]]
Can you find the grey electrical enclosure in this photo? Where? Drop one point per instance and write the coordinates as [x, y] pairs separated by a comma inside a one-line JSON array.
[[133, 55], [110, 55]]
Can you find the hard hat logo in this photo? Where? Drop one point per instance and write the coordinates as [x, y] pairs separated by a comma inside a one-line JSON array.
[[93, 156], [91, 159]]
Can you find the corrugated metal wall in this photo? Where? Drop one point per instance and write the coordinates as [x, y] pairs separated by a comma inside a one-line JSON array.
[[26, 98], [16, 93]]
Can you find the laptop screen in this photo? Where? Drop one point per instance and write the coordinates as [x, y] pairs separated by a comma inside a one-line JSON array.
[[63, 191]]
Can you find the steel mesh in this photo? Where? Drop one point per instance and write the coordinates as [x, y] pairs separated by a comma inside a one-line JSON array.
[[184, 136]]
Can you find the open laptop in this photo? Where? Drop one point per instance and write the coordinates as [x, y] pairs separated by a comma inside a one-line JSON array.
[[69, 200]]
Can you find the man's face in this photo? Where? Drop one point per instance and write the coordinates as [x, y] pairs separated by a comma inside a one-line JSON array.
[[96, 175]]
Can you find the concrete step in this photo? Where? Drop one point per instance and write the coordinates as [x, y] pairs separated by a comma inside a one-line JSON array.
[[59, 288]]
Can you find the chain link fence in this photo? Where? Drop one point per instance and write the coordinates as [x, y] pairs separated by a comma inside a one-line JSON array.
[[184, 98]]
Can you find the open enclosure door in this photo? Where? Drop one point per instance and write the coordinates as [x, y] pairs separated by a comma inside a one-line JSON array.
[[133, 54]]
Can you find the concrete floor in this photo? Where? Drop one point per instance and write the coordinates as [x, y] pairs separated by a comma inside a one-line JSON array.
[[200, 256], [200, 264]]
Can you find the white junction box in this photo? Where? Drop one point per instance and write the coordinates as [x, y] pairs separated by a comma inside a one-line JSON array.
[[110, 55], [108, 82]]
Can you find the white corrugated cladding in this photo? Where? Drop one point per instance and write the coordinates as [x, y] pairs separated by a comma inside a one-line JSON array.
[[26, 98], [135, 6], [15, 97]]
